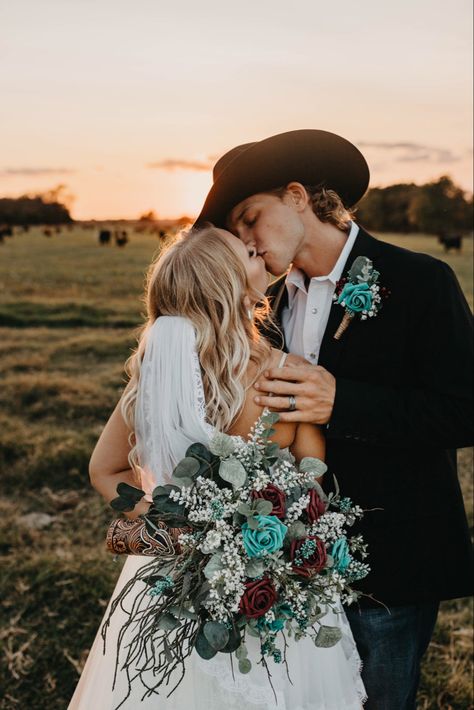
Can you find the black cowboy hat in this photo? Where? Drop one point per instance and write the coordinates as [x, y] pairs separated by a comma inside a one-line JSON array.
[[308, 156]]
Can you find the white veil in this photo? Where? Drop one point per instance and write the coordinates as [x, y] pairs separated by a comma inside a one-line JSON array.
[[170, 404]]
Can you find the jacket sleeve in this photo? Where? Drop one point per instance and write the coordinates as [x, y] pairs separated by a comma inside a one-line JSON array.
[[438, 410]]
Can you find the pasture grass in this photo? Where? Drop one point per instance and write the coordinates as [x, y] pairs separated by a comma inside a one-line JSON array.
[[68, 311]]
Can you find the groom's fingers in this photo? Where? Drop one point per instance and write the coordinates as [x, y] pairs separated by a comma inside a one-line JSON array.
[[292, 374], [278, 403], [279, 387]]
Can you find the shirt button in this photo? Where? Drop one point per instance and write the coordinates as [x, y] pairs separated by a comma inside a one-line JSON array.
[[312, 355], [314, 311]]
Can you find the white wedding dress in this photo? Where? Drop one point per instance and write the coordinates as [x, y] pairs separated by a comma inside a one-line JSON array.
[[320, 678]]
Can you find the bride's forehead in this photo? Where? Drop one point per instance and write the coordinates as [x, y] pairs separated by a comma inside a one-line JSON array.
[[233, 241]]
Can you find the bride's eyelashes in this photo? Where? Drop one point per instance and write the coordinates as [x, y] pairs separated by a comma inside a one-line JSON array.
[[250, 222]]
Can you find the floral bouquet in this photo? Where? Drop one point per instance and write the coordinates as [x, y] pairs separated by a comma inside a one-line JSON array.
[[264, 552]]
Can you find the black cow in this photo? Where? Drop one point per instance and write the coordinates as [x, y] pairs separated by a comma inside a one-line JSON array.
[[121, 238], [451, 241], [104, 236]]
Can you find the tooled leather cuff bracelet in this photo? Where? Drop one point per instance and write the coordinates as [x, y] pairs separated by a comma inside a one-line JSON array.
[[130, 537]]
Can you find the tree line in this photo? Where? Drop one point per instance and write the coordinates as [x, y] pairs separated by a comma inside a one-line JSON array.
[[439, 207], [32, 209]]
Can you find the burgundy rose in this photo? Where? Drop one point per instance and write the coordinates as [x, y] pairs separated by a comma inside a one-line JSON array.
[[276, 497], [316, 507], [308, 556], [258, 598]]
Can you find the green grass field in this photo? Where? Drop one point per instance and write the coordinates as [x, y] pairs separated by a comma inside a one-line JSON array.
[[68, 309]]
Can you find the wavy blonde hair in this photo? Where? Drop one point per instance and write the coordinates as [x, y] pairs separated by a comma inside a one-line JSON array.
[[201, 277]]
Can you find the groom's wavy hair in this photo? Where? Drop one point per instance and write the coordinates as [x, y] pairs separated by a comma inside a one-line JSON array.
[[326, 204], [200, 277]]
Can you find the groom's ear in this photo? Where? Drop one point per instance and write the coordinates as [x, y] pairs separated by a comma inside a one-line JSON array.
[[297, 195]]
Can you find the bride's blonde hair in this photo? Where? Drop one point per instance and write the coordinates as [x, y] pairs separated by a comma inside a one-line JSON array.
[[201, 277]]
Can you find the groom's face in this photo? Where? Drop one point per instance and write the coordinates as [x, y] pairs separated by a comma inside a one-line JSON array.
[[272, 225]]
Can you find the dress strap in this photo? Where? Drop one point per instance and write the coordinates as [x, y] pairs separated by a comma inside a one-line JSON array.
[[282, 359]]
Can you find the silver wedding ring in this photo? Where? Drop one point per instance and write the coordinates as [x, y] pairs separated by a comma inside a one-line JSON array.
[[292, 401]]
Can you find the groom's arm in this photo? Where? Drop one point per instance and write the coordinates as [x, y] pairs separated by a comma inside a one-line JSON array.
[[438, 411]]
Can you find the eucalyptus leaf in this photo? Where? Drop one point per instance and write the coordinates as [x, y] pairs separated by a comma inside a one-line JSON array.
[[312, 465], [252, 632], [232, 471], [121, 504], [234, 641], [272, 449], [222, 445], [328, 636], [182, 612], [199, 452], [254, 567], [244, 509], [245, 665], [183, 481], [297, 530], [252, 523], [167, 622], [241, 652], [124, 489], [270, 418], [263, 507], [216, 634], [203, 647], [214, 565], [186, 468]]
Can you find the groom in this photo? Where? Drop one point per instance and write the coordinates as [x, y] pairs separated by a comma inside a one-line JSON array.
[[393, 392]]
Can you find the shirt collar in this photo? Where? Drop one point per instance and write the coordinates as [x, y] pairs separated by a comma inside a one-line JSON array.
[[296, 278]]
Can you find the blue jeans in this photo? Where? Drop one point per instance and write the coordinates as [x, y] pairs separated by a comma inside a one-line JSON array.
[[391, 644]]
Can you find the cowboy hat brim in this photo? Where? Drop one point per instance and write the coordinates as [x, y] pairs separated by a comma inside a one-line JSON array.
[[311, 157]]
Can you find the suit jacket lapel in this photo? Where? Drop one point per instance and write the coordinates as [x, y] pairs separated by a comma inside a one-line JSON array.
[[332, 349]]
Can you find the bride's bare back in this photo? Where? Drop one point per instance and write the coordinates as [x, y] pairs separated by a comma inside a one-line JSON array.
[[302, 439]]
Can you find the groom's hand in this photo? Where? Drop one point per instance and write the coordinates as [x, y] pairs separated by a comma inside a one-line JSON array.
[[313, 388]]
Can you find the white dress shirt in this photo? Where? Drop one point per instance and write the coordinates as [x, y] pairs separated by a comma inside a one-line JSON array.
[[305, 318]]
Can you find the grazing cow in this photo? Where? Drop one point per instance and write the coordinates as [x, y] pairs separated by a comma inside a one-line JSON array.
[[104, 236], [121, 238], [451, 241], [47, 232], [5, 232]]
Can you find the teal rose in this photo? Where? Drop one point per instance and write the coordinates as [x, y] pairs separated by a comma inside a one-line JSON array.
[[356, 297], [340, 555], [267, 538]]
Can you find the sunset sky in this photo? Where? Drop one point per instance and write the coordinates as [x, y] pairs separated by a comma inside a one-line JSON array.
[[129, 104]]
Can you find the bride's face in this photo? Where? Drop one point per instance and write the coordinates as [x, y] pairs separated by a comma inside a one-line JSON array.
[[253, 263]]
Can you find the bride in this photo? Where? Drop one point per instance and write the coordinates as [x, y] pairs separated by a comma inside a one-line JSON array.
[[198, 357]]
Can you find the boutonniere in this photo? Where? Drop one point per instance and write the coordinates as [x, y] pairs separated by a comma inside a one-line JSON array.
[[359, 293]]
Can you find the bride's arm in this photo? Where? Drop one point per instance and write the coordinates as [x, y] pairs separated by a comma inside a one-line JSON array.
[[309, 441], [109, 463]]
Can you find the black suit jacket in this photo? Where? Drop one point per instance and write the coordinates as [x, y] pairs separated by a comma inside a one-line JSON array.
[[403, 405]]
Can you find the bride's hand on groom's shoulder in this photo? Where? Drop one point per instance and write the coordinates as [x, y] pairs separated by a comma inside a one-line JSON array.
[[312, 386]]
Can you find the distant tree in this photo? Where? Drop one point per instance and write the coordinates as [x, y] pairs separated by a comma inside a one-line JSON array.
[[441, 208], [387, 209], [150, 216]]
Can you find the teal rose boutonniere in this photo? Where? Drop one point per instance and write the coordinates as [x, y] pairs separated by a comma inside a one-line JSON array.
[[356, 297], [267, 538], [359, 293], [340, 555]]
